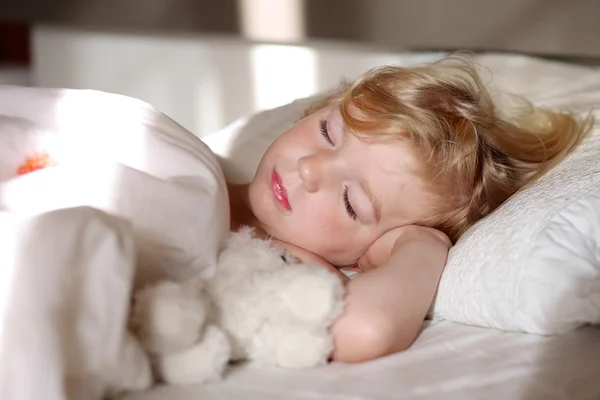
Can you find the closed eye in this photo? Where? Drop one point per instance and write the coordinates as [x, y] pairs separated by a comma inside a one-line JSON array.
[[351, 213], [325, 132]]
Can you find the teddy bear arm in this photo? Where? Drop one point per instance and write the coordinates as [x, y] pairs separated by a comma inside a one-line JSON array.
[[203, 362], [169, 317]]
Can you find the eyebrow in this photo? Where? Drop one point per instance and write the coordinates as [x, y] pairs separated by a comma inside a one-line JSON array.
[[374, 201]]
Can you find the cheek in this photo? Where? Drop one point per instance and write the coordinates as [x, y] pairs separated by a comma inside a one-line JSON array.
[[260, 197], [325, 232], [312, 224], [318, 219]]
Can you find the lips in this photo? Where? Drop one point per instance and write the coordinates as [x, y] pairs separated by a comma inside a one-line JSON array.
[[279, 191]]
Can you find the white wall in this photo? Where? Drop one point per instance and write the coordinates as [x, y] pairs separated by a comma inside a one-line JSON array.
[[202, 82]]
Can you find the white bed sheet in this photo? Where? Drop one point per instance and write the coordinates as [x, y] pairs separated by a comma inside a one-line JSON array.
[[449, 361]]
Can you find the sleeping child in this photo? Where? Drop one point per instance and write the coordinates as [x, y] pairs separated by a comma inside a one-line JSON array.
[[384, 176], [380, 177]]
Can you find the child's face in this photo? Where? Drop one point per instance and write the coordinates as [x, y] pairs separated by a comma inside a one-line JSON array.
[[335, 198]]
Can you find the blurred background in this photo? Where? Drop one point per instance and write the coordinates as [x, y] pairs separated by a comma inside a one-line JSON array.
[[207, 62]]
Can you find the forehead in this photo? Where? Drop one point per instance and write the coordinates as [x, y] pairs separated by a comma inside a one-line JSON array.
[[394, 174]]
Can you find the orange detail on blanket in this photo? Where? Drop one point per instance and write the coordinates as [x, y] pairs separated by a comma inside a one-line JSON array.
[[34, 163]]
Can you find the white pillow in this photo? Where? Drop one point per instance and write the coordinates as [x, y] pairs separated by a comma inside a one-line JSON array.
[[240, 146], [126, 158], [534, 265]]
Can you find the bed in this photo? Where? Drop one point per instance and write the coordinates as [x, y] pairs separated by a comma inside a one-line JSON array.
[[494, 287], [450, 360]]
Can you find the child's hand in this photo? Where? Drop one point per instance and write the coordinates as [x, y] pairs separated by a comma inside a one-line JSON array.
[[307, 257], [382, 248]]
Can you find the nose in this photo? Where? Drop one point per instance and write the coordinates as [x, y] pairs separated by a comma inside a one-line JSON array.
[[316, 170]]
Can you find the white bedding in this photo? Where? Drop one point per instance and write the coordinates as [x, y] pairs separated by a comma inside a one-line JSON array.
[[124, 157], [134, 197], [449, 361], [61, 336]]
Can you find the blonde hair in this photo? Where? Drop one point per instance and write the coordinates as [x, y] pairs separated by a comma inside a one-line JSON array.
[[475, 155]]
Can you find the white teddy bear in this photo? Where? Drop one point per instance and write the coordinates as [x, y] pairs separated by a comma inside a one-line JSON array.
[[261, 306]]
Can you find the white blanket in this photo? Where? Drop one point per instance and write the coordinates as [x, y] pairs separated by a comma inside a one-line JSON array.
[[66, 281], [134, 197]]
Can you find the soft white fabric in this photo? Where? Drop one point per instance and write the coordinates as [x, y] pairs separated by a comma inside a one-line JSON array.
[[122, 156], [66, 281], [156, 206], [448, 362], [532, 266]]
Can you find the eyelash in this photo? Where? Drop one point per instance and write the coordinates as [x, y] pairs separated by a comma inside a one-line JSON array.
[[324, 132], [348, 206], [351, 213]]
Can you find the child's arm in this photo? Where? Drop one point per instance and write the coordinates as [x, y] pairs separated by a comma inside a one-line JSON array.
[[386, 305]]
